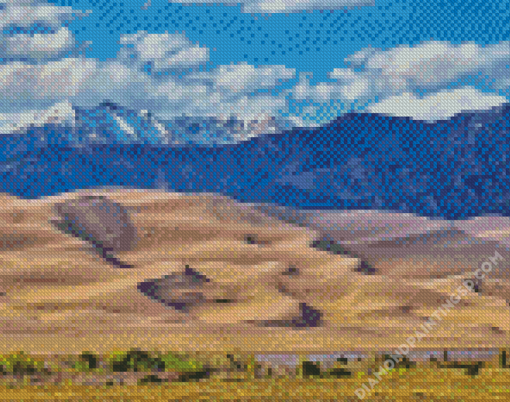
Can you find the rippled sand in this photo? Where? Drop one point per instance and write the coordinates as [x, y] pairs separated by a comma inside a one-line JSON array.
[[61, 297]]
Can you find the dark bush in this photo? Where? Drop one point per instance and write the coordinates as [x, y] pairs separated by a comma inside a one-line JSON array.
[[90, 359], [223, 301], [472, 368], [404, 362], [23, 368], [250, 239], [311, 369], [291, 271], [137, 360], [19, 364], [151, 378], [503, 359], [196, 376], [338, 373]]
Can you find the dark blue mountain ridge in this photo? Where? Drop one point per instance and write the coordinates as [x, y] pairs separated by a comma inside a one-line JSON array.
[[363, 160], [450, 169]]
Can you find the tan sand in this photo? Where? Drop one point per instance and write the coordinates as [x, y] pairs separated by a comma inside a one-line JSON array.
[[62, 298]]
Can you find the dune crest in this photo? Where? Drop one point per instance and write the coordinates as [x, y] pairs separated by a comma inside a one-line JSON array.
[[261, 285]]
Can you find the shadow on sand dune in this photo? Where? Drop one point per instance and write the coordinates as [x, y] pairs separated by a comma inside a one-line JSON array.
[[208, 273]]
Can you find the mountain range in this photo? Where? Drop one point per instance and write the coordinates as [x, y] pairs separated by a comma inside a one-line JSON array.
[[448, 169], [113, 123]]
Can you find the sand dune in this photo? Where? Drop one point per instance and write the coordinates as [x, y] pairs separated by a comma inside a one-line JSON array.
[[59, 296]]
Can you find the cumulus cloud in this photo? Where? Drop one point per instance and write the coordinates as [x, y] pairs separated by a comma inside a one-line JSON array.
[[227, 90], [243, 78], [431, 65], [165, 52], [392, 77], [86, 82], [82, 81], [439, 106], [284, 6], [246, 91], [37, 86], [38, 47], [24, 13]]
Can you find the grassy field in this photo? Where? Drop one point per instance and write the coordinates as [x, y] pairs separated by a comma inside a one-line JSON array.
[[232, 377]]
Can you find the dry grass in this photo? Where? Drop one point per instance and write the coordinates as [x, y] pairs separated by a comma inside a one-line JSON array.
[[410, 381], [431, 384]]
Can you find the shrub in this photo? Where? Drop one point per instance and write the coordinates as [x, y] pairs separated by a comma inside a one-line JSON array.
[[150, 379], [472, 368], [504, 359], [404, 362], [338, 373], [251, 367], [194, 376], [136, 360], [173, 362], [20, 364], [88, 361], [311, 369]]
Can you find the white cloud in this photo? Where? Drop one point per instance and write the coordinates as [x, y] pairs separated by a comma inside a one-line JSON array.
[[164, 51], [25, 13], [36, 86], [320, 92], [118, 83], [285, 6], [38, 46], [84, 82], [244, 78], [57, 114], [394, 75], [226, 89], [432, 66], [87, 82], [248, 108], [234, 90], [440, 106]]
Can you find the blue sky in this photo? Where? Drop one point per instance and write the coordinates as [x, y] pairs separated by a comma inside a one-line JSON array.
[[300, 64]]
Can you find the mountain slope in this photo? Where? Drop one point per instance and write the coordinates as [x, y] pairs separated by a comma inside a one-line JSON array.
[[452, 169]]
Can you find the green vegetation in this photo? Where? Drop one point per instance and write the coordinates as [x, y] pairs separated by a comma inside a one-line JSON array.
[[137, 361], [332, 247], [173, 362], [210, 375], [20, 364], [504, 359]]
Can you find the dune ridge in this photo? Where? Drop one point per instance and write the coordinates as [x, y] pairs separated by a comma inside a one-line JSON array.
[[61, 297]]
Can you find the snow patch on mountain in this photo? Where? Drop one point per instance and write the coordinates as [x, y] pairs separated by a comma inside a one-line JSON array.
[[112, 122], [60, 114]]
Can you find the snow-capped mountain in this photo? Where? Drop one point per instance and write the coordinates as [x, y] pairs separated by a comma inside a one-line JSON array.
[[452, 168], [213, 130], [112, 123], [60, 114]]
